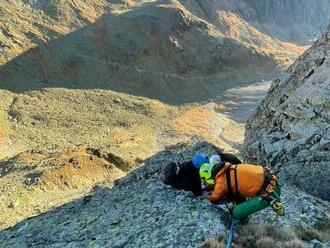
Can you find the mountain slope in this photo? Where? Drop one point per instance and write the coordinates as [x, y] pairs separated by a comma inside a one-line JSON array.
[[26, 23], [291, 126], [56, 144], [159, 51], [56, 119], [233, 18], [298, 22], [175, 51], [141, 211]]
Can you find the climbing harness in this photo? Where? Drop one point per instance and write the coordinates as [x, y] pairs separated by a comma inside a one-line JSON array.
[[230, 231], [231, 193]]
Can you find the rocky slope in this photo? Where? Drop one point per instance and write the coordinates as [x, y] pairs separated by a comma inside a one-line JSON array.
[[291, 127], [34, 182], [141, 211], [28, 23]]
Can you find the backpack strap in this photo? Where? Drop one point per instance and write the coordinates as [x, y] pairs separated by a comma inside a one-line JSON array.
[[269, 182], [236, 181], [232, 194], [216, 168], [230, 191]]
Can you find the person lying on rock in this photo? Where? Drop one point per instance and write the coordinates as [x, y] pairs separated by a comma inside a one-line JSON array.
[[186, 176], [253, 187]]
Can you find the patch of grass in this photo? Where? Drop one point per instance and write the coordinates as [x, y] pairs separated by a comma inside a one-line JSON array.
[[310, 234], [323, 225], [67, 118], [320, 232], [215, 242], [259, 236]]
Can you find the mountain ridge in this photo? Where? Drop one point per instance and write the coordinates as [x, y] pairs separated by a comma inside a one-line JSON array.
[[151, 49]]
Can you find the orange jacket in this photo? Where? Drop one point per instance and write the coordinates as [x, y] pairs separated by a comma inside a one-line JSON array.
[[250, 179]]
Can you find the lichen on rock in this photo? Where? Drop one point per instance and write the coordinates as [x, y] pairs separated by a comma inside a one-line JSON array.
[[141, 211]]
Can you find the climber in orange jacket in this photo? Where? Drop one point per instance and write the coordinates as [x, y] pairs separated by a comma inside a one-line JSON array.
[[238, 183], [246, 180]]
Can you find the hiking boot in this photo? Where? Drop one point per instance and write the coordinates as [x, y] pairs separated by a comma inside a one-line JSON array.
[[278, 208]]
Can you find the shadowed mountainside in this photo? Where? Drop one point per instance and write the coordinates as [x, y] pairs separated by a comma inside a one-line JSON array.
[[27, 23], [158, 51], [299, 21], [174, 51]]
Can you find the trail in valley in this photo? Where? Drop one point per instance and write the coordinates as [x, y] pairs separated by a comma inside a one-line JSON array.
[[239, 102]]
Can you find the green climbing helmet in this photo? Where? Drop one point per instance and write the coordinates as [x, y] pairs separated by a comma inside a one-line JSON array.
[[205, 172]]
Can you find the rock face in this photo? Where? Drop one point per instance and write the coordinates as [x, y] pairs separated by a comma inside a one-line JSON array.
[[291, 127], [141, 211], [148, 215]]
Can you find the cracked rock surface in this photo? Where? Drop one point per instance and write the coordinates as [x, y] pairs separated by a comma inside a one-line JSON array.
[[291, 127]]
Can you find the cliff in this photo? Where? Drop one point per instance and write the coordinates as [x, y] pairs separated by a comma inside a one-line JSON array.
[[291, 127]]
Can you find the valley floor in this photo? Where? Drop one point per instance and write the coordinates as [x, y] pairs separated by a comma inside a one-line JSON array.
[[45, 140]]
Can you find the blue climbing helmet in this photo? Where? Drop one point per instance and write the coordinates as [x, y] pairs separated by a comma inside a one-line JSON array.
[[198, 160]]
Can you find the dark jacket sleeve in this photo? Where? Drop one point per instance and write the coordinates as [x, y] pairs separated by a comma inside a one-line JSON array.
[[230, 158], [190, 179]]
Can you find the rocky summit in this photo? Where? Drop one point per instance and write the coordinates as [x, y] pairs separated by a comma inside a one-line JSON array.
[[291, 127], [141, 211]]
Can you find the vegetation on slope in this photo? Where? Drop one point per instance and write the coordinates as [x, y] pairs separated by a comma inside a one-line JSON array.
[[270, 236]]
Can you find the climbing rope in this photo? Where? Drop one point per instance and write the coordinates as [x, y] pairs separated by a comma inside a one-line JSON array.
[[230, 234], [230, 231]]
